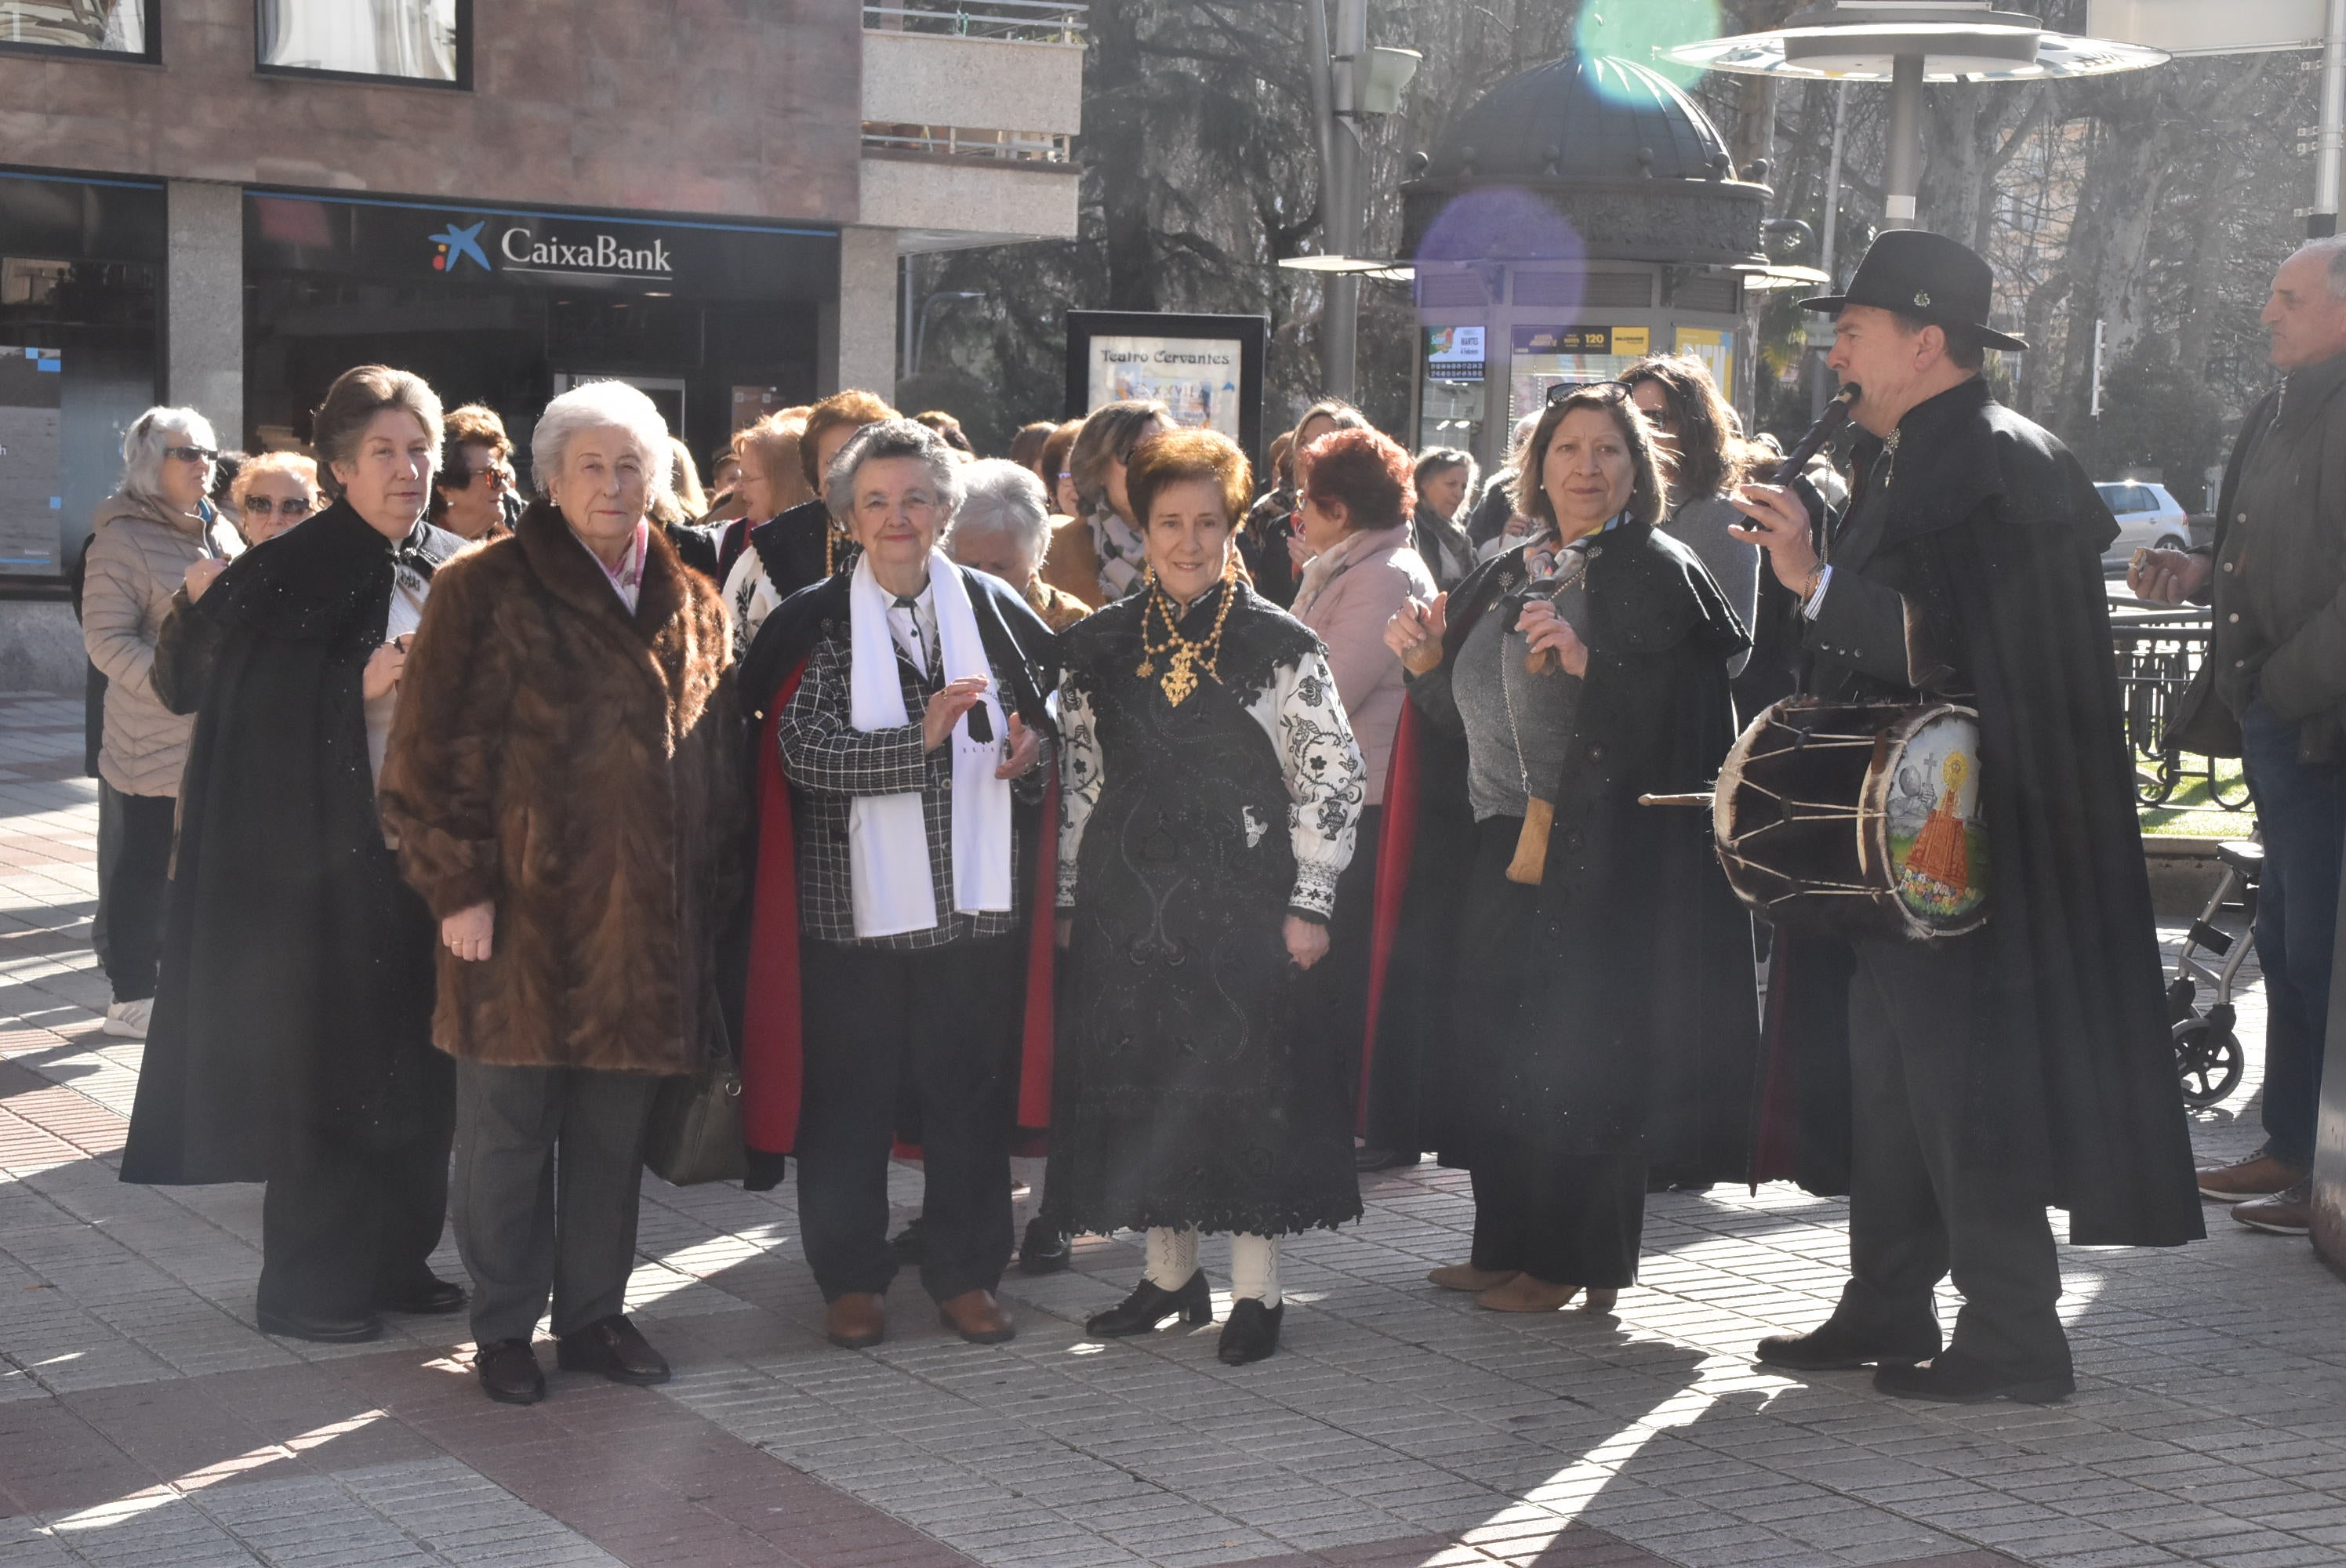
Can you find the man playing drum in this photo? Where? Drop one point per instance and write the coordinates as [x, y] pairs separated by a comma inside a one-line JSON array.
[[1968, 1081]]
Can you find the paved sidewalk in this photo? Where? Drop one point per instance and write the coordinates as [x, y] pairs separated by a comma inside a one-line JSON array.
[[143, 1420]]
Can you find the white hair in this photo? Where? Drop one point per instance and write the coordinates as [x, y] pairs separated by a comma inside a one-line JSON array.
[[143, 445], [894, 438], [1000, 494], [603, 405], [2333, 248]]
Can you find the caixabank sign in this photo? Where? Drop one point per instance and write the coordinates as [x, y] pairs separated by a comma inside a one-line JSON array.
[[420, 242]]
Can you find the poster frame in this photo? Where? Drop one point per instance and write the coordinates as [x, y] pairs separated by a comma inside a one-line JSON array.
[[1253, 333]]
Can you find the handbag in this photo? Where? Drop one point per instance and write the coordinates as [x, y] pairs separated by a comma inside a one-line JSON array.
[[694, 1135]]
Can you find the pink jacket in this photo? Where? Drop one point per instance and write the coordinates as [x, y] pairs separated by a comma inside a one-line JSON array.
[[1347, 595]]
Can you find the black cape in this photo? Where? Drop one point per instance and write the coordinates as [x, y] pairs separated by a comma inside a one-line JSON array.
[[293, 1008], [1640, 1023], [1993, 533]]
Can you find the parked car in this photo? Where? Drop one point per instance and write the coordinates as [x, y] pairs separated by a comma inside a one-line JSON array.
[[2147, 515]]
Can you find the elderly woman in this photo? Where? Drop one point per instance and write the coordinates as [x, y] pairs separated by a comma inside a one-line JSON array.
[[273, 492], [1071, 565], [292, 1025], [787, 550], [1355, 522], [1443, 479], [576, 966], [1210, 795], [1601, 1021], [889, 934], [1002, 529], [1108, 550], [147, 537], [472, 493]]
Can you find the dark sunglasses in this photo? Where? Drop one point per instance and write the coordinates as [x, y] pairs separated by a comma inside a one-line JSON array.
[[1612, 391], [192, 454], [263, 507]]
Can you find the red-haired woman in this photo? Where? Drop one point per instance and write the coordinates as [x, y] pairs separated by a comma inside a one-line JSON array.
[[1210, 791], [1357, 491]]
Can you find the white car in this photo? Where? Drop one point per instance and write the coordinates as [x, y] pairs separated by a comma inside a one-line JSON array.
[[2147, 515]]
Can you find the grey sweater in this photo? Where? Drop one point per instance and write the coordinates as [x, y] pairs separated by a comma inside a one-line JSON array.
[[1733, 563]]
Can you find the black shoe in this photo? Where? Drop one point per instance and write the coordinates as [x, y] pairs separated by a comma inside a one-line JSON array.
[[1833, 1349], [321, 1330], [910, 1242], [612, 1346], [1251, 1333], [1367, 1161], [1954, 1378], [426, 1298], [1045, 1250], [509, 1373], [1145, 1309]]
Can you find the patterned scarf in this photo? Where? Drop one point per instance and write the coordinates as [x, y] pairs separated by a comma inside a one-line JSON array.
[[1123, 557]]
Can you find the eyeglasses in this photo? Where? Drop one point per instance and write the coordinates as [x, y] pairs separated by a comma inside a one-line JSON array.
[[263, 507], [192, 454], [499, 476]]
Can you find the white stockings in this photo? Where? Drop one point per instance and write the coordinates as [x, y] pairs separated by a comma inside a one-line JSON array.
[[1254, 1263]]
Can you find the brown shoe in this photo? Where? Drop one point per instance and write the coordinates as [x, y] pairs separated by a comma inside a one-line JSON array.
[[2287, 1213], [856, 1321], [977, 1317], [1526, 1294], [1466, 1277], [2259, 1175]]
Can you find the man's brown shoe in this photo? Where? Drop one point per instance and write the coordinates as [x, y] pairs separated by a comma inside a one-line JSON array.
[[2287, 1213], [977, 1317], [856, 1321], [2259, 1175]]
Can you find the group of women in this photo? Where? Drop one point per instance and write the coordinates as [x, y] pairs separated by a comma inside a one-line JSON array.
[[956, 802]]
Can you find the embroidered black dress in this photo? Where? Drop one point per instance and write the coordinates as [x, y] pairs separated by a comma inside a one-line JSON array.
[[1188, 1091]]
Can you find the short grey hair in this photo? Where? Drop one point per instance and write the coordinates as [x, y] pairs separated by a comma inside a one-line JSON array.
[[603, 405], [2333, 248], [143, 445], [894, 438], [1000, 494]]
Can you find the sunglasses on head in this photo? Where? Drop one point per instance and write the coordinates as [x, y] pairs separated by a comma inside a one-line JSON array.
[[1613, 392], [192, 454]]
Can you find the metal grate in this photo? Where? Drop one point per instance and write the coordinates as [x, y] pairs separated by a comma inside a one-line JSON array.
[[2157, 656]]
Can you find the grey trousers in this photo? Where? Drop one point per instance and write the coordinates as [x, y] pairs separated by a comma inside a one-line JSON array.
[[549, 1161]]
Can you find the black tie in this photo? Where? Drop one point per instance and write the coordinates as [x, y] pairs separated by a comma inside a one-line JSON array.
[[910, 605]]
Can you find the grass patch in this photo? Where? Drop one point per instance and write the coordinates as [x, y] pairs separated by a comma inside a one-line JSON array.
[[2192, 811]]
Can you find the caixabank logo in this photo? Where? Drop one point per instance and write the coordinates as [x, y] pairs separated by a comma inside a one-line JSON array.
[[538, 248]]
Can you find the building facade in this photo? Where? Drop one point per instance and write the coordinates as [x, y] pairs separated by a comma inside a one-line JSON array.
[[225, 203]]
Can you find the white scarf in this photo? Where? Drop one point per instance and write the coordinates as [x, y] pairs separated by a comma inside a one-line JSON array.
[[887, 835]]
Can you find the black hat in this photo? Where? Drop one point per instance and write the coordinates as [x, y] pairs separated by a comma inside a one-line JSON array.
[[1928, 277]]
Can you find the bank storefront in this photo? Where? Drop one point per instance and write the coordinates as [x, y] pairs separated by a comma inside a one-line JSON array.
[[718, 322]]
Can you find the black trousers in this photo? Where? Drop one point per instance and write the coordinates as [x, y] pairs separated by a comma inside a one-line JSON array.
[[936, 1026], [1922, 1204], [349, 1225], [134, 891], [1567, 1221], [549, 1174]]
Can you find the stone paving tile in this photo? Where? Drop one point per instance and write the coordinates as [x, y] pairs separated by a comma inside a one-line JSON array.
[[144, 1421]]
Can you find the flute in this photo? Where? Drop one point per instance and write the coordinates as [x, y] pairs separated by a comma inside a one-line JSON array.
[[1828, 425]]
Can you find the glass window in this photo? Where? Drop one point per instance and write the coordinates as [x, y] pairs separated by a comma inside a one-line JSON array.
[[118, 27], [418, 40]]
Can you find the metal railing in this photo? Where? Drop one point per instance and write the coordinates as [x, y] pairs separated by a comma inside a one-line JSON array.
[[953, 141], [2157, 656], [1023, 21]]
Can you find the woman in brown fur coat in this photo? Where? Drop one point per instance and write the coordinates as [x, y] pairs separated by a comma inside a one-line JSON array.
[[562, 784]]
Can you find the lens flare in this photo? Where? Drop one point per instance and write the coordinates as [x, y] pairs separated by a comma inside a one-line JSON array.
[[1639, 30]]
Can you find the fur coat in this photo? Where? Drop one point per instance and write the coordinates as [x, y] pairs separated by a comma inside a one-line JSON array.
[[575, 766]]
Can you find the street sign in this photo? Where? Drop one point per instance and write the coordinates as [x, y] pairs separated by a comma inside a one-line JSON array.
[[2204, 27]]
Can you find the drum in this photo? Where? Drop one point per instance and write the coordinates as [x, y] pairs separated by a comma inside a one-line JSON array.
[[1860, 818]]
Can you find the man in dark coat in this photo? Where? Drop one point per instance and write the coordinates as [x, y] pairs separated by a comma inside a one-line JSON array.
[[292, 1038], [1986, 1075], [2273, 693]]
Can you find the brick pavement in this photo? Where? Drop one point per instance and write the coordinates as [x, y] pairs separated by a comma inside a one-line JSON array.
[[143, 1420]]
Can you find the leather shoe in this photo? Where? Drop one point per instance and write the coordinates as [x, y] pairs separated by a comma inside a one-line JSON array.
[[1526, 1293], [2259, 1175], [1954, 1378], [319, 1330], [1045, 1250], [856, 1321], [2289, 1212], [1144, 1310], [509, 1372], [977, 1317], [1833, 1349], [1467, 1277], [429, 1296], [612, 1346], [1369, 1161], [1251, 1333]]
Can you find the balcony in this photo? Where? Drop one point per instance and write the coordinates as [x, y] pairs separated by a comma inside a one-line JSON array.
[[1019, 21]]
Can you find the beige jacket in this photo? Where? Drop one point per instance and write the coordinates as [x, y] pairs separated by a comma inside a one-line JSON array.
[[139, 552]]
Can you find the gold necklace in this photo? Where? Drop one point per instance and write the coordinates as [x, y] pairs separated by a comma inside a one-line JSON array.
[[1180, 672]]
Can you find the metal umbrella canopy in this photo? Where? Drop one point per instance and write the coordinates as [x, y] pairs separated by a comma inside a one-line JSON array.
[[1907, 42]]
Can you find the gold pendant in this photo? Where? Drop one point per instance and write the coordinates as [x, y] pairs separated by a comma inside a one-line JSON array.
[[1147, 668], [1178, 683]]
